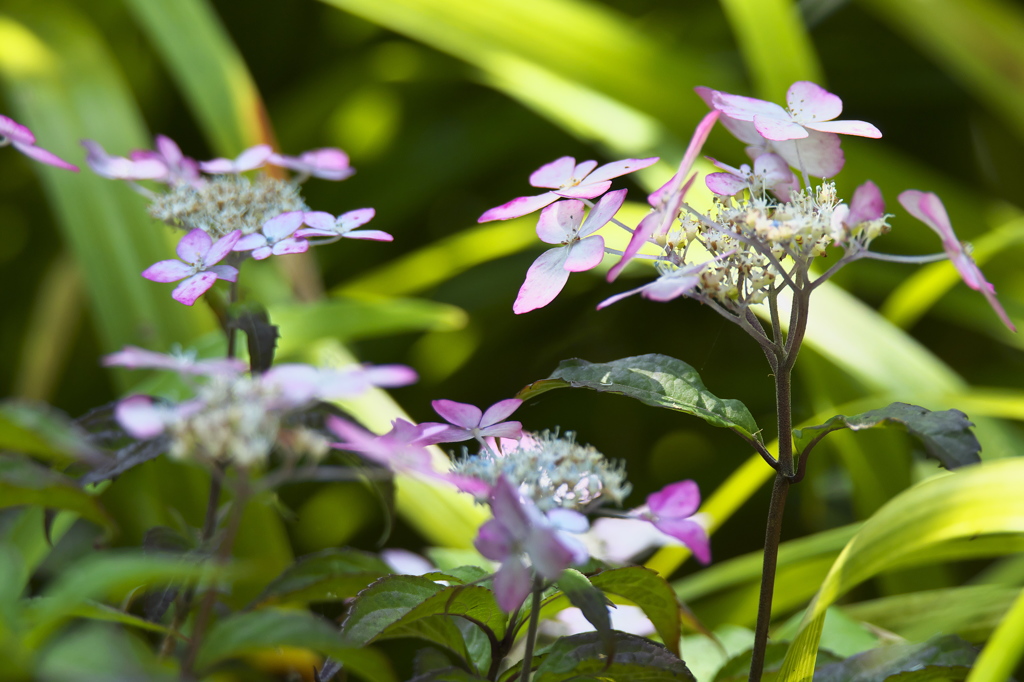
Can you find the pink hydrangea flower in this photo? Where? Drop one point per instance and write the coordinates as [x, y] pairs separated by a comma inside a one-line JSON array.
[[819, 154], [134, 357], [467, 422], [519, 528], [198, 267], [21, 138], [299, 384], [140, 167], [144, 418], [669, 285], [566, 179], [928, 208], [671, 510], [770, 172], [275, 238], [579, 248], [250, 159], [809, 107], [323, 224], [327, 163]]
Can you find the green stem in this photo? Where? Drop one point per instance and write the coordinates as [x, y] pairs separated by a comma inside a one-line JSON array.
[[531, 633]]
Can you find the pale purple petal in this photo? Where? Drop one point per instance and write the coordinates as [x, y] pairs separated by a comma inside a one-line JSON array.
[[253, 157], [742, 130], [679, 499], [518, 207], [511, 430], [500, 411], [134, 357], [327, 163], [668, 287], [250, 242], [866, 204], [746, 108], [44, 156], [167, 271], [618, 297], [809, 102], [169, 149], [544, 280], [772, 128], [297, 384], [192, 288], [120, 168], [819, 154], [320, 220], [512, 584], [390, 376], [228, 273], [222, 247], [282, 225], [493, 541], [547, 552], [435, 432], [568, 520], [555, 174], [510, 510], [291, 245], [140, 417], [352, 219], [603, 211], [194, 246], [373, 235], [15, 132], [460, 414], [725, 184], [690, 533], [618, 168], [585, 254], [587, 190], [860, 128], [217, 166], [558, 222], [582, 171]]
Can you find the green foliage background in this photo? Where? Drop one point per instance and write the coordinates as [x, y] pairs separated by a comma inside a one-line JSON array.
[[446, 106]]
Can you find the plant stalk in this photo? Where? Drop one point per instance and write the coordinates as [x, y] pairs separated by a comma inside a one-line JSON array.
[[531, 633]]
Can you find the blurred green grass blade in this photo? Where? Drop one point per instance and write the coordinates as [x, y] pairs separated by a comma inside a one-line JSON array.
[[976, 501], [775, 45], [1004, 649], [979, 42], [209, 70], [65, 86]]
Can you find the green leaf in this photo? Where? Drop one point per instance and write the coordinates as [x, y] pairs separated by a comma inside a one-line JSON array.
[[946, 435], [330, 575], [448, 675], [270, 628], [591, 602], [43, 431], [22, 481], [636, 658], [651, 593], [1004, 649], [904, 662], [653, 379]]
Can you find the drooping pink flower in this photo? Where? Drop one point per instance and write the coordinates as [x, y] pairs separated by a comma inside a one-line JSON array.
[[928, 208], [519, 528], [809, 107], [579, 248], [199, 256], [275, 238], [819, 154], [567, 180], [134, 357], [865, 206], [669, 285], [250, 159], [770, 172], [323, 224], [467, 422], [327, 163], [671, 510], [21, 138]]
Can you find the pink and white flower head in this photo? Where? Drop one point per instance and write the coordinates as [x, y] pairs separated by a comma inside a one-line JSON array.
[[21, 138], [819, 154], [180, 169], [567, 180], [323, 224], [198, 267], [809, 107], [672, 511], [579, 248], [275, 238], [134, 357], [928, 208], [866, 212], [327, 163], [143, 418], [770, 173], [519, 528], [466, 422], [250, 159]]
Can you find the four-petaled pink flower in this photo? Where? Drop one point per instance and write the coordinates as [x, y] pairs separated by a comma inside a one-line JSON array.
[[250, 159], [579, 248], [323, 224], [134, 357], [810, 107], [928, 208], [199, 255], [671, 510], [275, 237], [569, 180], [468, 421], [770, 172], [519, 528], [21, 138], [327, 163]]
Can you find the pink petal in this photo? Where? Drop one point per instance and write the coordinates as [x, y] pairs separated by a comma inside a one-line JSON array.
[[228, 273], [134, 357], [319, 220], [253, 157], [675, 500], [776, 129], [544, 280], [140, 417], [167, 271], [668, 287], [217, 166], [585, 254], [604, 210], [194, 246], [460, 414], [435, 432], [494, 541], [512, 430], [618, 297], [250, 242], [555, 174], [549, 555], [587, 190], [866, 204], [390, 376], [819, 154], [558, 221], [291, 245], [690, 533], [724, 184], [652, 224], [355, 218], [746, 108], [222, 247], [282, 225], [928, 208], [262, 253], [169, 149], [192, 288], [500, 411], [861, 128], [742, 130], [582, 171], [15, 132], [373, 235], [44, 156], [510, 510], [809, 102], [518, 207], [512, 584], [618, 168]]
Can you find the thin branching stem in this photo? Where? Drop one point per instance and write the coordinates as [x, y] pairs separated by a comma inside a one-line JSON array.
[[531, 633]]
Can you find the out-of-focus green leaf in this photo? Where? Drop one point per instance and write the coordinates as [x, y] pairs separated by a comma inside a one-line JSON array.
[[651, 593], [592, 604], [22, 481], [942, 657], [946, 435], [42, 431], [979, 42], [329, 575], [979, 500], [636, 658], [775, 45], [656, 380], [208, 68], [1004, 649], [64, 85]]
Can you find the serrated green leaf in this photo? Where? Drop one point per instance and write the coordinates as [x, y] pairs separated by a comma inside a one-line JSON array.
[[653, 379], [636, 658], [591, 602], [330, 575], [651, 593], [22, 481], [946, 435]]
